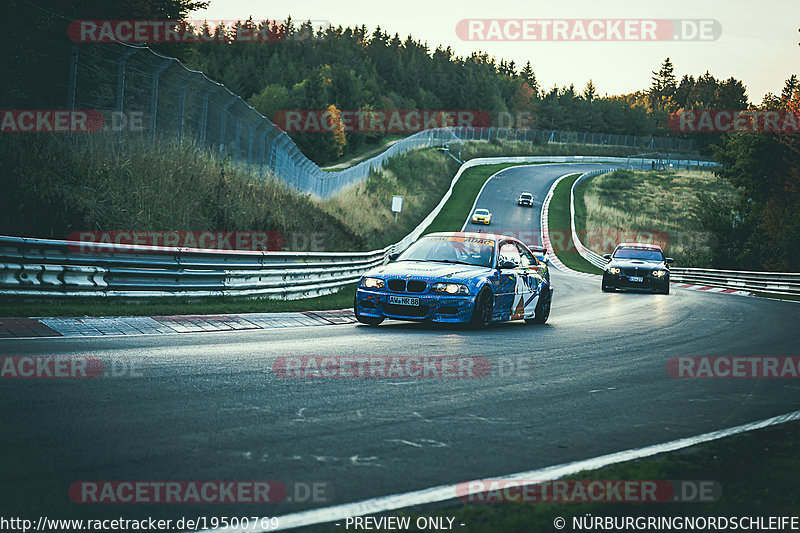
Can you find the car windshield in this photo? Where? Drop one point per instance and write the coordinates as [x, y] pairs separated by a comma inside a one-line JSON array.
[[451, 249], [481, 211], [646, 254], [526, 195]]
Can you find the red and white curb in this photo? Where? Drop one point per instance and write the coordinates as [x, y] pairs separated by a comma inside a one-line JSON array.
[[165, 325], [705, 288]]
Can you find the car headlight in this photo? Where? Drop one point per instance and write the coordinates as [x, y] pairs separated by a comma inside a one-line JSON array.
[[614, 270], [372, 283], [450, 288], [659, 273]]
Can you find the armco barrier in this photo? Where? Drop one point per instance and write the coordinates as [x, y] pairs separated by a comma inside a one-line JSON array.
[[772, 282], [42, 267]]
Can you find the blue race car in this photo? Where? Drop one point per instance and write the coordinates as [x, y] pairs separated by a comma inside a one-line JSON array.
[[472, 278]]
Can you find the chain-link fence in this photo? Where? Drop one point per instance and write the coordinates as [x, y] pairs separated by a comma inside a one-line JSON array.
[[140, 91]]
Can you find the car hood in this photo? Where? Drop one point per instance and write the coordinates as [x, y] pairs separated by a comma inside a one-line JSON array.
[[428, 270], [636, 263]]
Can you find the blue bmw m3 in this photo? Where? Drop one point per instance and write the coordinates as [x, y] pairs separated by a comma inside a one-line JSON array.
[[471, 278]]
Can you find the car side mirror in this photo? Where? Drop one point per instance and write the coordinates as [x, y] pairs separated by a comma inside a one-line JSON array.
[[394, 256], [607, 256], [505, 265], [670, 261]]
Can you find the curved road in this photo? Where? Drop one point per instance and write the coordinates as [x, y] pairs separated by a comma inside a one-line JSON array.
[[206, 406]]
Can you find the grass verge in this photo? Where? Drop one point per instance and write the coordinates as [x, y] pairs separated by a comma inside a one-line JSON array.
[[458, 206], [659, 206], [757, 472], [559, 225], [53, 187]]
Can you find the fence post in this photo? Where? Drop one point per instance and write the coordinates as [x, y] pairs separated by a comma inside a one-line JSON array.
[[121, 85], [250, 148], [183, 101], [154, 97], [222, 122], [73, 82], [204, 117], [236, 141]]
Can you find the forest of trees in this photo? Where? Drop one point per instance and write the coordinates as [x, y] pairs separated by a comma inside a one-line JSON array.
[[353, 69]]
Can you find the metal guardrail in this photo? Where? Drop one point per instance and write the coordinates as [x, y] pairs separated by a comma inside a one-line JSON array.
[[42, 267], [773, 282], [594, 258]]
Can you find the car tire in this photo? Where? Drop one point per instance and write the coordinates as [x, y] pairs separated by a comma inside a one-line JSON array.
[[482, 311], [542, 311], [368, 320]]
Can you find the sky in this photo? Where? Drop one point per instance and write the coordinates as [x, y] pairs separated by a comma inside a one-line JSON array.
[[758, 43]]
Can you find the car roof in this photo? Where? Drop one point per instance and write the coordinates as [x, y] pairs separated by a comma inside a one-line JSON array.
[[643, 245], [481, 209], [526, 193]]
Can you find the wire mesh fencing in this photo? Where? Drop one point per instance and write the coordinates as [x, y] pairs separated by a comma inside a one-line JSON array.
[[141, 92]]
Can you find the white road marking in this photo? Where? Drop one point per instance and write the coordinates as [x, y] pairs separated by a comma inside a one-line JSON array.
[[448, 492]]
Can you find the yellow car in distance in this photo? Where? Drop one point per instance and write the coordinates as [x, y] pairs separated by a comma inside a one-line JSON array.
[[482, 216]]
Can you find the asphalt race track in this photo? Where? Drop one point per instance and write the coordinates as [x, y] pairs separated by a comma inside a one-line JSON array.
[[207, 406]]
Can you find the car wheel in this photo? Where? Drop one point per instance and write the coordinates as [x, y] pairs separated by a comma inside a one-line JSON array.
[[542, 311], [368, 320], [482, 312]]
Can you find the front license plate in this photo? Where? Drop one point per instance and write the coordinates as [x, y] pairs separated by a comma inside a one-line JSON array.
[[636, 278], [403, 300]]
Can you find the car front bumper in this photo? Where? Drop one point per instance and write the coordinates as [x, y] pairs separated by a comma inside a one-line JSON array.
[[481, 220], [649, 283], [433, 308]]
